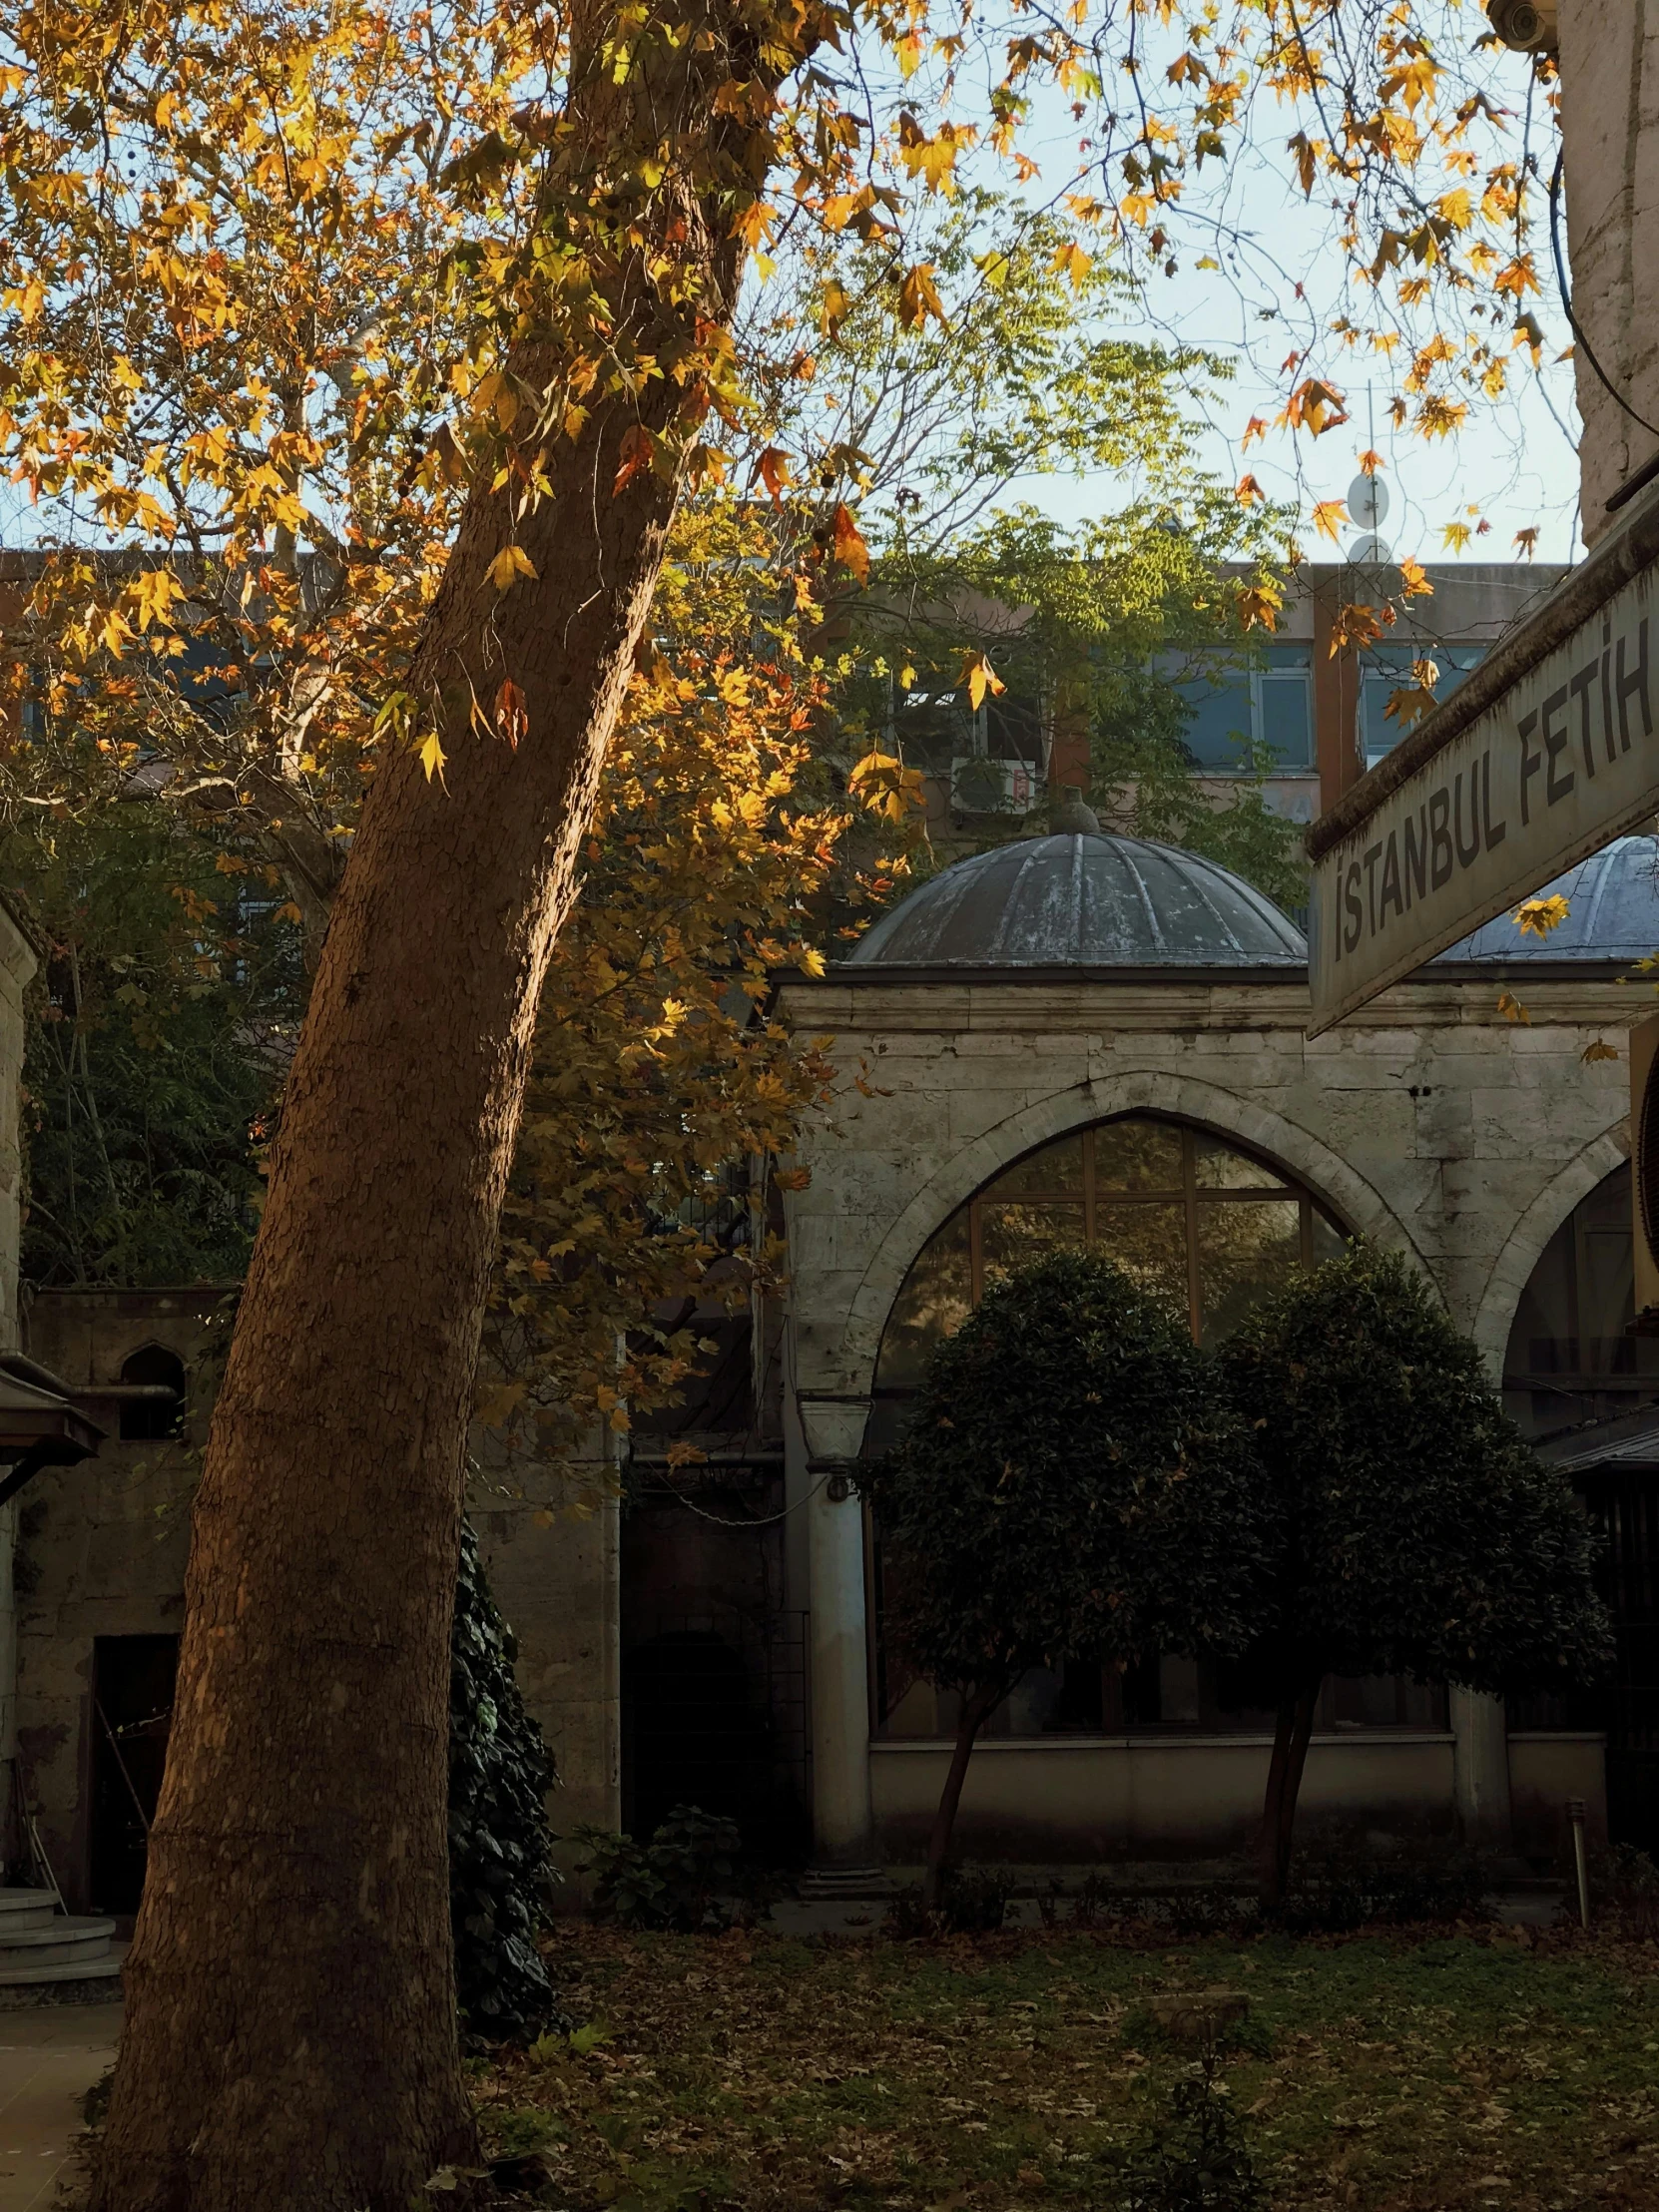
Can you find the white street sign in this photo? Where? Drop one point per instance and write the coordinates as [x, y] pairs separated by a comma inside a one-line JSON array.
[[1553, 765]]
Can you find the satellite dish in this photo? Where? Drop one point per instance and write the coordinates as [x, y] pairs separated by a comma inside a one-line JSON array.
[[1369, 552], [1368, 501]]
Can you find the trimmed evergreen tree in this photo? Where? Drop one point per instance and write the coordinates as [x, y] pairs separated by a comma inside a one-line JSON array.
[[1071, 1485], [1411, 1529], [502, 1868]]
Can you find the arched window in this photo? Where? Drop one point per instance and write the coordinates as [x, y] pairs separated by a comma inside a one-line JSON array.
[[1207, 1226], [1571, 1357], [147, 1419]]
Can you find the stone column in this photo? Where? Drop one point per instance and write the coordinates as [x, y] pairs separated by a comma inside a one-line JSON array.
[[843, 1830], [1481, 1768]]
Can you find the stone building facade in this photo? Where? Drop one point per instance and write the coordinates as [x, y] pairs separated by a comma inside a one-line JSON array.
[[714, 1634], [1070, 987], [100, 1579]]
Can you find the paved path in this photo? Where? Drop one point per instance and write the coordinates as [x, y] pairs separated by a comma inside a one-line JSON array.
[[49, 2059]]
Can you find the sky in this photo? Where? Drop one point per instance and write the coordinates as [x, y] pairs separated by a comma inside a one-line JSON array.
[[1515, 462]]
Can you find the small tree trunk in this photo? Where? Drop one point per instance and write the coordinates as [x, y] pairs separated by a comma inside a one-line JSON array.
[[977, 1709], [290, 2033], [1293, 1727]]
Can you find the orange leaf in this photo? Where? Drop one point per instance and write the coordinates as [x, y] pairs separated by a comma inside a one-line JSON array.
[[638, 449], [1327, 514], [772, 468], [918, 297], [978, 677], [511, 716], [851, 549]]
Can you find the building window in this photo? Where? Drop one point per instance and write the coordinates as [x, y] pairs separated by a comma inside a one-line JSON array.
[[1386, 669], [1571, 1357], [1203, 1226], [991, 758], [1268, 709], [1208, 1228]]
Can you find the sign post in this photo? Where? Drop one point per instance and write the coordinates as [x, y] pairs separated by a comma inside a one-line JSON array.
[[1547, 751]]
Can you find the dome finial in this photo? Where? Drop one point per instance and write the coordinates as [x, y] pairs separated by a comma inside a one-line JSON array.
[[1068, 816]]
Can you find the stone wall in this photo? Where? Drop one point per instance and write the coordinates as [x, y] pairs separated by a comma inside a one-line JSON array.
[[1426, 1122], [103, 1547], [1610, 123]]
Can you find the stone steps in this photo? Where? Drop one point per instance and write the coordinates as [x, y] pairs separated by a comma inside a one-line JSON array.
[[47, 1955]]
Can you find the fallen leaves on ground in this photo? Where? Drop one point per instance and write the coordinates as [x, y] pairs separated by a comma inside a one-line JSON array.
[[1406, 2072]]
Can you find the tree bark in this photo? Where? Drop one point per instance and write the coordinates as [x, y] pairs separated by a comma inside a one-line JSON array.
[[977, 1709], [291, 2028], [1294, 1728]]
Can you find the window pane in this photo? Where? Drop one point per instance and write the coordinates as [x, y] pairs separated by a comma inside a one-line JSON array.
[[1218, 1167], [1058, 1167], [1287, 721], [1329, 1241], [1243, 1253], [1222, 725], [934, 1303], [1150, 1242], [1012, 1237], [1137, 1155]]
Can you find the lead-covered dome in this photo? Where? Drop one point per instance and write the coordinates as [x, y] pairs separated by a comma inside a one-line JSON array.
[[1613, 913], [1083, 901]]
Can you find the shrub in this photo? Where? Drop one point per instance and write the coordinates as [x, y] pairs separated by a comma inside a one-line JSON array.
[[501, 1870], [680, 1880], [1343, 1887], [1195, 2160], [975, 1900], [1624, 1894]]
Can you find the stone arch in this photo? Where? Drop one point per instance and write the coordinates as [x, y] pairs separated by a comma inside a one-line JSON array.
[[1148, 1091], [1524, 1247]]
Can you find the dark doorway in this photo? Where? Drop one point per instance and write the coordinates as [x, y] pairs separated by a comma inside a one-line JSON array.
[[692, 1735], [132, 1709]]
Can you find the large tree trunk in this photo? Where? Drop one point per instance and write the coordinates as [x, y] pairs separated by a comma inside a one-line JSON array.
[[977, 1708], [290, 2033], [1290, 1756]]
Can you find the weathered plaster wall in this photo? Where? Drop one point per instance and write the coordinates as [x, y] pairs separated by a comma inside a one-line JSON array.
[[1610, 125], [554, 1574]]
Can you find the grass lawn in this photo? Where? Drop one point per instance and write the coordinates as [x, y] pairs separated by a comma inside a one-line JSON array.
[[1382, 2071]]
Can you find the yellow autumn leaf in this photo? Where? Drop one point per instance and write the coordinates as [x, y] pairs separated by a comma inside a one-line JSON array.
[[432, 757], [509, 565], [1598, 1049], [977, 677], [1536, 917], [1329, 515]]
